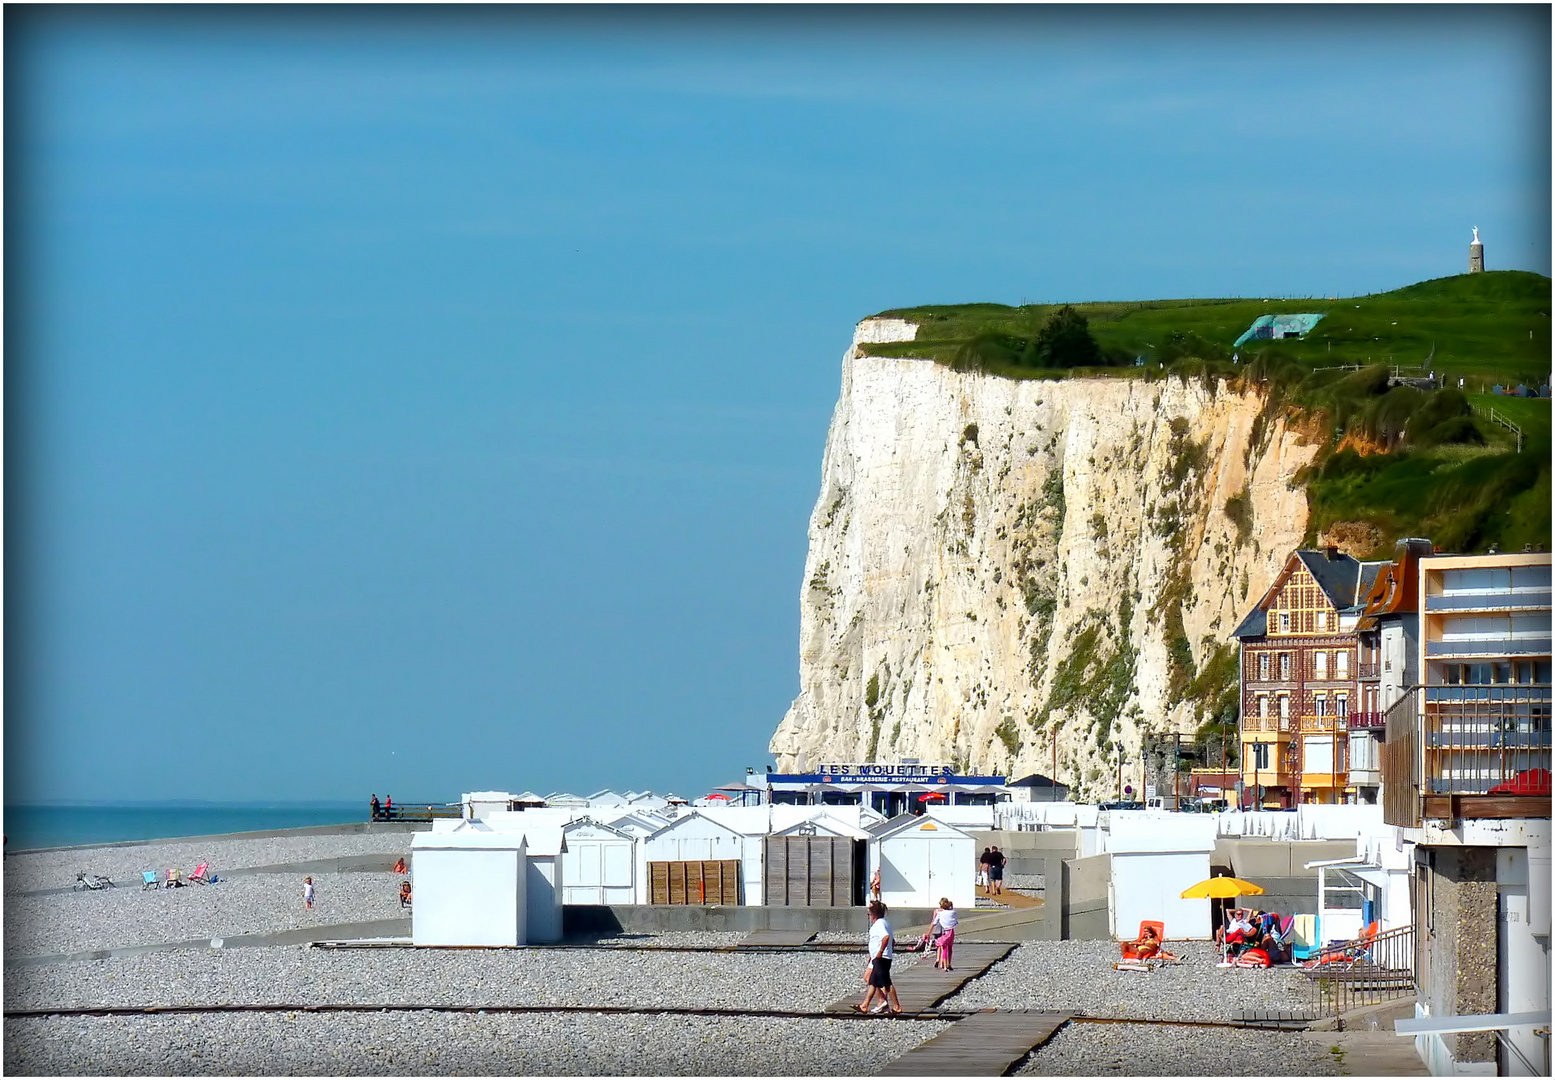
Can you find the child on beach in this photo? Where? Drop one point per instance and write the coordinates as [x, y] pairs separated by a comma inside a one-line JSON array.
[[307, 893], [945, 921]]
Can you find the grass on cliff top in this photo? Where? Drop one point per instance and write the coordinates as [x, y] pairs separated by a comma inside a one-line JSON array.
[[1483, 327]]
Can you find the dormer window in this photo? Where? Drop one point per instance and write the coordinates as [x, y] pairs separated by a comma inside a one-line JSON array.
[[1284, 622]]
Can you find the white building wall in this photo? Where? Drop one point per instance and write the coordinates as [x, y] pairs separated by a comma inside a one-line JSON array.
[[544, 883], [469, 897], [917, 868]]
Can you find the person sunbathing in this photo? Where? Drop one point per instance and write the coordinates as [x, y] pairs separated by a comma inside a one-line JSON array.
[[1148, 947]]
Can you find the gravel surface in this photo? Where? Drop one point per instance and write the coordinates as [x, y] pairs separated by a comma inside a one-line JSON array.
[[1159, 1050], [302, 976], [409, 1044], [1078, 976], [77, 921], [51, 869]]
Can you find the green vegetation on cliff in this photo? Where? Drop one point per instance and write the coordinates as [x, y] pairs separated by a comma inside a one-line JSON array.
[[1397, 461], [1484, 327]]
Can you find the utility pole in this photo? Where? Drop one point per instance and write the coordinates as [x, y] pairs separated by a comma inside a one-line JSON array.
[[1176, 770]]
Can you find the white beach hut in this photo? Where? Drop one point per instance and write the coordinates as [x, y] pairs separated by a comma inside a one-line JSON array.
[[692, 837], [1155, 856], [470, 889], [922, 860], [599, 864], [544, 873]]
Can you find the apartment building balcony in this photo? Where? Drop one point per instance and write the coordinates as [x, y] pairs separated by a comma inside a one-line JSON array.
[[1475, 752], [1528, 646], [1365, 721], [1368, 672], [1325, 723], [1365, 777], [1532, 599]]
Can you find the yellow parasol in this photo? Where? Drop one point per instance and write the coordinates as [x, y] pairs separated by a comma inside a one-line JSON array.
[[1222, 888]]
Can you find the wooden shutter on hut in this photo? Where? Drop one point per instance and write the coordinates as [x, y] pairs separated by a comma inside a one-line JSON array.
[[715, 881], [809, 871]]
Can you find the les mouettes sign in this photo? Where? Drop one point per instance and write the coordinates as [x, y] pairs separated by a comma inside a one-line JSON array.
[[869, 771]]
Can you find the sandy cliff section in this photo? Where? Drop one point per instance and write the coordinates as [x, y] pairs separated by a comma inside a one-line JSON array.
[[1002, 572]]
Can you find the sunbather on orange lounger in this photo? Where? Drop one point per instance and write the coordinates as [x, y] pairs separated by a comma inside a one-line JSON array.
[[1148, 947]]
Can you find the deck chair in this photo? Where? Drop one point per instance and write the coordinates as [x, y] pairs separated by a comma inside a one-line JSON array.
[[1130, 952], [1303, 937], [1346, 954], [200, 874], [149, 880], [174, 880]]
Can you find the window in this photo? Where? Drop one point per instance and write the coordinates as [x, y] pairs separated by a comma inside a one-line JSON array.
[[1263, 666], [1260, 755], [1341, 665], [1320, 664], [1284, 665], [1530, 577], [1322, 705], [1263, 706], [1476, 628], [1476, 581], [1284, 704], [1284, 622], [1342, 706]]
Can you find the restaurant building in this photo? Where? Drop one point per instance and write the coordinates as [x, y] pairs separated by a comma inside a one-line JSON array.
[[889, 789]]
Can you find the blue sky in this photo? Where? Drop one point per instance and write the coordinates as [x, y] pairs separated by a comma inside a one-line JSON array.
[[424, 401]]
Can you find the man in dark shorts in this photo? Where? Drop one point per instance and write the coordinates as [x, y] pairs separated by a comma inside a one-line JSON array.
[[877, 970], [995, 872]]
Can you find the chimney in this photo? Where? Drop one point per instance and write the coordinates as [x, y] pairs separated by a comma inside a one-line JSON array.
[[1332, 552]]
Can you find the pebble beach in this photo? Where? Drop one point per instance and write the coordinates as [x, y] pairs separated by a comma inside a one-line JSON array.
[[41, 926]]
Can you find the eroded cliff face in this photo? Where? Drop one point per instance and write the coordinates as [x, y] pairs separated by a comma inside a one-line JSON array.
[[1003, 572]]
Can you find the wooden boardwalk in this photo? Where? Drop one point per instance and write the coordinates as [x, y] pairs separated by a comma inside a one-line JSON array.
[[766, 939], [923, 986], [1008, 898], [984, 1044]]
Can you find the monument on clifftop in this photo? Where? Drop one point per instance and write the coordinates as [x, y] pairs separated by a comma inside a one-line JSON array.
[[1476, 254]]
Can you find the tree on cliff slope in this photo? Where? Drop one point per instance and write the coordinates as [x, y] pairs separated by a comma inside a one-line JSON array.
[[1065, 340]]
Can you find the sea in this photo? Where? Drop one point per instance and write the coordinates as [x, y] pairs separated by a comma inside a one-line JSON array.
[[36, 826]]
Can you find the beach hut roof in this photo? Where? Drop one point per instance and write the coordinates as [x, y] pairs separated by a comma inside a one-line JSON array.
[[921, 822], [693, 816]]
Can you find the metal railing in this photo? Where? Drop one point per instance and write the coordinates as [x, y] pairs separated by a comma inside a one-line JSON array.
[[418, 812], [1363, 720], [1489, 412], [1366, 971], [1364, 670], [1477, 738]]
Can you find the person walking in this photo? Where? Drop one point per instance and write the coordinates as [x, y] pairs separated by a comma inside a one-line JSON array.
[[877, 969], [307, 893], [982, 867], [945, 920], [376, 807], [996, 872]]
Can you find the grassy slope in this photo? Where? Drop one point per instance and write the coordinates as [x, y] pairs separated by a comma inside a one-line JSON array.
[[1485, 328]]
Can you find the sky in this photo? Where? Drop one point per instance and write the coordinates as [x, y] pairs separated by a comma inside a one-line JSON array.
[[419, 401]]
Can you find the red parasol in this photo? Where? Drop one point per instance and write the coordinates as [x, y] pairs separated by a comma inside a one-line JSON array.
[[718, 795], [927, 795]]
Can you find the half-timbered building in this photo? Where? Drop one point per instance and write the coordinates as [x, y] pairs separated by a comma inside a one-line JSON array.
[[1300, 680]]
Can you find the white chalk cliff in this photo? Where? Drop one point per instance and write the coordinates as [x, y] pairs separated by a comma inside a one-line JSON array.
[[1000, 570]]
